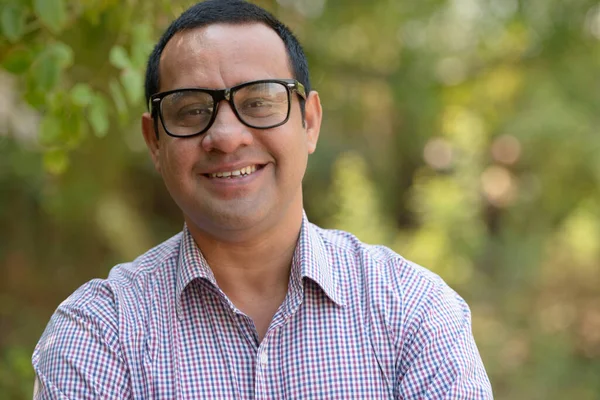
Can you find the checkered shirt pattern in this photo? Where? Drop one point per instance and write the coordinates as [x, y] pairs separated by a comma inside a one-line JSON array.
[[358, 322]]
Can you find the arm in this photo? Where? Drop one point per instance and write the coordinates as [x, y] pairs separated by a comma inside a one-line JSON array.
[[79, 355], [439, 358]]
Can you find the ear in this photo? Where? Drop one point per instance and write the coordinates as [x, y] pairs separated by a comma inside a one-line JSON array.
[[313, 115], [151, 139]]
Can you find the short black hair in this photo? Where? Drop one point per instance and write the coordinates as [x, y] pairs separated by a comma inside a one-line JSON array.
[[237, 12]]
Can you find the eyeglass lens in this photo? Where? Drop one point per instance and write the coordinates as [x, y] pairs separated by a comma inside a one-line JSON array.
[[259, 105]]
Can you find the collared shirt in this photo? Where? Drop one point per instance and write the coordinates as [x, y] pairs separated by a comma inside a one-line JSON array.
[[358, 322]]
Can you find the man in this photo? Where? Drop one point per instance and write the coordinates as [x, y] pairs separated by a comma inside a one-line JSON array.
[[251, 300]]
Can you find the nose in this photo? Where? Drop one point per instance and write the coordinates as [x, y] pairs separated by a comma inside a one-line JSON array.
[[227, 133]]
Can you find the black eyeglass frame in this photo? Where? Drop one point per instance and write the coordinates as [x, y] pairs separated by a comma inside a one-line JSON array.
[[219, 95]]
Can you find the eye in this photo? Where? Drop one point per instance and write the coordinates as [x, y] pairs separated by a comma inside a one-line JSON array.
[[258, 102], [194, 111]]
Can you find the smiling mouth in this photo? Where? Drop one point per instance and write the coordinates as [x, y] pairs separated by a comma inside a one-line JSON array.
[[238, 173]]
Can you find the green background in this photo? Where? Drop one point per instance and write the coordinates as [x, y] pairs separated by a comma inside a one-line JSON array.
[[464, 134]]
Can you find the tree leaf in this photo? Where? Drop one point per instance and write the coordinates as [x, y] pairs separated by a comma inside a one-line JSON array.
[[118, 97], [52, 13], [18, 60], [118, 57], [12, 21], [141, 44], [57, 101], [50, 130], [63, 54], [82, 95], [56, 161], [47, 71], [34, 96], [49, 64], [98, 115], [133, 82], [73, 128]]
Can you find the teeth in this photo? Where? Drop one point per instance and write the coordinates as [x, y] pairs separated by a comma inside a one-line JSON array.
[[238, 172]]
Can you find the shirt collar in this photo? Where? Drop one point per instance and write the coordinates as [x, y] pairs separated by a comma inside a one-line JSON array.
[[190, 266], [310, 260]]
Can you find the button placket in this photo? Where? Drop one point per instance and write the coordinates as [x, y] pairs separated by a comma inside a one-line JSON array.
[[262, 356], [263, 359]]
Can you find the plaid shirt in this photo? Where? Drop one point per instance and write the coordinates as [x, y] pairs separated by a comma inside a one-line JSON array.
[[358, 322]]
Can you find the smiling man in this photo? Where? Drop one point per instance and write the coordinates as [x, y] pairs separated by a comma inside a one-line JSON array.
[[252, 301]]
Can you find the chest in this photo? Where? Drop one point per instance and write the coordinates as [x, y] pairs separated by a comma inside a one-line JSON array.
[[319, 351]]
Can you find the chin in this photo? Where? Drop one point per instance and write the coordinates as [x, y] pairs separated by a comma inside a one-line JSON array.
[[217, 222]]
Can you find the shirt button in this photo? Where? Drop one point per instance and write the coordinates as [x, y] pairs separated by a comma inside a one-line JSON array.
[[263, 358]]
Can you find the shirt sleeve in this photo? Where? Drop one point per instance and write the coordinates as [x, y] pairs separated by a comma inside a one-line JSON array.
[[439, 359], [78, 355]]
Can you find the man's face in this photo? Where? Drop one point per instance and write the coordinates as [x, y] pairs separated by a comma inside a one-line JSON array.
[[216, 57]]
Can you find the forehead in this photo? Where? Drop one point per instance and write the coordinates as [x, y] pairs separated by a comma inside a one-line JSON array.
[[223, 55]]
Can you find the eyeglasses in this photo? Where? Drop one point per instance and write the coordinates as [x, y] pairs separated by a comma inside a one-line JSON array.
[[260, 104]]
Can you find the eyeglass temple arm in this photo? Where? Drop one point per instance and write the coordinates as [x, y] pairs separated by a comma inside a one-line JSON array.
[[299, 88]]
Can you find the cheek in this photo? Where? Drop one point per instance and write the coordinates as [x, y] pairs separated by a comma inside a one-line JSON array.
[[294, 154], [175, 162]]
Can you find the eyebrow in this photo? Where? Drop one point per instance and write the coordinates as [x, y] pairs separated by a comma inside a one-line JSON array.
[[176, 96]]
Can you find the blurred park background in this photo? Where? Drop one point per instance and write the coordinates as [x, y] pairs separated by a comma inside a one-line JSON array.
[[464, 134]]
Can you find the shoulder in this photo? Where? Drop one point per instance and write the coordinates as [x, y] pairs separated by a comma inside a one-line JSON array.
[[92, 323], [136, 273], [405, 292], [381, 264], [103, 301], [419, 326]]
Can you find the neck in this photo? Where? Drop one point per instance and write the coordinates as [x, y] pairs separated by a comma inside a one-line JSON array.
[[253, 269], [256, 263]]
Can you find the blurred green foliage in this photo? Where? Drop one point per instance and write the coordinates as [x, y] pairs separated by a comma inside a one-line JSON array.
[[461, 133]]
